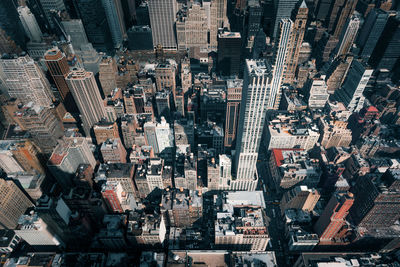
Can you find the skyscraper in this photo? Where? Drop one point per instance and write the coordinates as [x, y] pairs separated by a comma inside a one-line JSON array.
[[162, 19], [50, 5], [115, 18], [387, 50], [280, 63], [192, 29], [113, 151], [221, 8], [334, 216], [234, 98], [283, 10], [66, 157], [92, 14], [164, 135], [371, 31], [341, 12], [42, 124], [318, 94], [57, 64], [376, 204], [255, 97], [10, 22], [348, 36], [87, 97], [351, 93], [75, 32], [229, 47], [14, 203], [296, 39], [30, 24], [150, 135], [254, 18], [24, 80]]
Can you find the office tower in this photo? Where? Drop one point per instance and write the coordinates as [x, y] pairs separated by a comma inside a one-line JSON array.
[[118, 172], [211, 8], [51, 5], [254, 17], [348, 36], [322, 9], [376, 206], [290, 167], [387, 50], [229, 48], [351, 93], [180, 211], [58, 67], [105, 130], [185, 75], [113, 151], [234, 97], [243, 234], [278, 132], [296, 39], [14, 203], [44, 126], [334, 216], [162, 20], [164, 135], [10, 23], [221, 8], [213, 103], [8, 163], [283, 10], [30, 24], [280, 63], [20, 156], [334, 133], [163, 104], [90, 58], [150, 135], [36, 232], [300, 197], [342, 10], [337, 72], [128, 130], [155, 173], [140, 38], [115, 18], [108, 72], [75, 32], [129, 9], [255, 95], [66, 157], [92, 14], [165, 77], [318, 93], [24, 80], [371, 31], [191, 29], [87, 97], [112, 193]]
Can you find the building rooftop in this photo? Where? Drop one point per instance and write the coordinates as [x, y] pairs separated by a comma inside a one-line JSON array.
[[258, 67], [229, 35]]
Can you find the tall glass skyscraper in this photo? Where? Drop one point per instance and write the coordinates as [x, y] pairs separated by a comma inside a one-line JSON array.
[[115, 18]]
